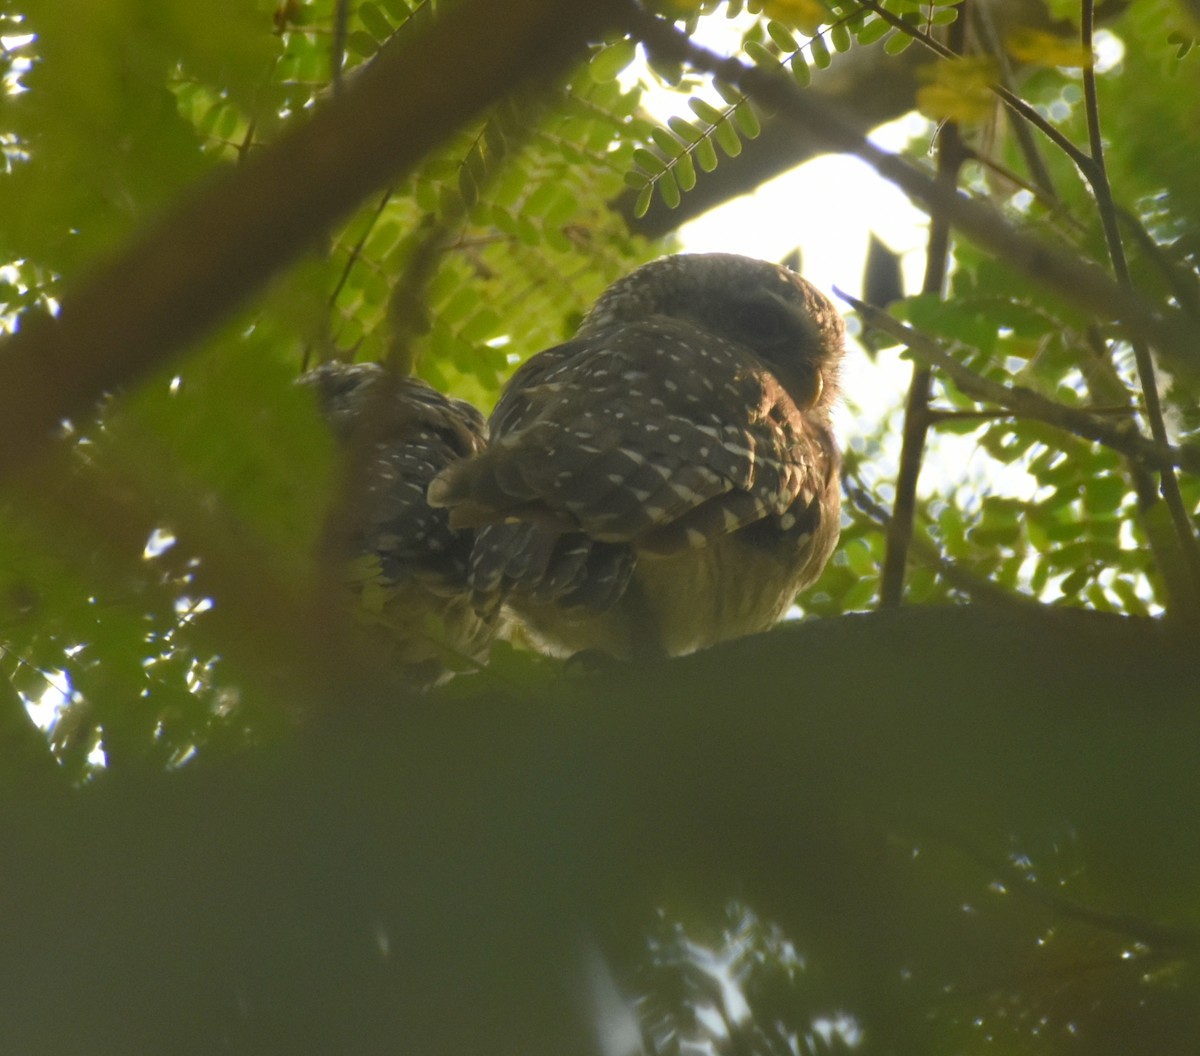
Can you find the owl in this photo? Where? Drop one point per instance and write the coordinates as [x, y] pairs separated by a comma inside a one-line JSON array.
[[406, 567], [668, 478]]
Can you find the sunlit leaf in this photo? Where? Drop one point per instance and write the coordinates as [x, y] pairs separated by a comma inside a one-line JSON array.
[[818, 51], [759, 55], [804, 15], [1039, 48], [705, 111], [727, 137], [610, 61], [873, 30], [958, 90], [782, 37], [685, 172], [643, 200], [706, 154], [668, 189]]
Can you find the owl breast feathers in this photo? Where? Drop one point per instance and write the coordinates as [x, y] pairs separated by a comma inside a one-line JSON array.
[[668, 478]]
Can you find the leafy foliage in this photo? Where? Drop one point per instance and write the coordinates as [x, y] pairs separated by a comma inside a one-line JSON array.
[[488, 252], [520, 202]]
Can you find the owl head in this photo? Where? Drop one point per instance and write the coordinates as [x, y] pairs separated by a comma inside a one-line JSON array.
[[771, 311]]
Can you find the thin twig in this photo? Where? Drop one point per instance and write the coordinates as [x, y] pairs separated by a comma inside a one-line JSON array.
[[408, 312], [356, 250], [1147, 932], [1185, 596], [1079, 282], [1005, 173], [1183, 284], [951, 154], [217, 246], [337, 47], [1026, 403], [1043, 182], [937, 415], [923, 552], [1014, 102]]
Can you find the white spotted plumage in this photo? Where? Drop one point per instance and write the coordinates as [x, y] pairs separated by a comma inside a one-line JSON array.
[[407, 566], [668, 478]]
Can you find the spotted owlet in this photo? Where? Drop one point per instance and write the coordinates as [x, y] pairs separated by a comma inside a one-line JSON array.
[[407, 565], [668, 478]]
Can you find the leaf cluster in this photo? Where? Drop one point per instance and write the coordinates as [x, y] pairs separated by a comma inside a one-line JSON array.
[[525, 241], [219, 470]]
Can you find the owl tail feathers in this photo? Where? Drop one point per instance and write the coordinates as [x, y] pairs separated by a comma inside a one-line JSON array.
[[482, 491], [470, 491], [448, 488]]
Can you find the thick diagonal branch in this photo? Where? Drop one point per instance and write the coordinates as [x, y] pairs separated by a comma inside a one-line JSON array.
[[1078, 282], [214, 250]]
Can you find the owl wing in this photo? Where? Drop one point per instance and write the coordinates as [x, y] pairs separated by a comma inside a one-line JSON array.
[[412, 433], [649, 437], [407, 567]]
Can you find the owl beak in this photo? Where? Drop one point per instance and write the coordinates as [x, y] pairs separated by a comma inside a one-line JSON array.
[[818, 390]]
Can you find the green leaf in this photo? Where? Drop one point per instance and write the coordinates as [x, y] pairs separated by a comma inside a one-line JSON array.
[[668, 189], [467, 187], [759, 55], [705, 111], [782, 36], [374, 21], [875, 29], [361, 44], [642, 204], [747, 120], [1134, 604], [727, 138], [1104, 494], [860, 559], [649, 161], [685, 130], [818, 51], [897, 43], [665, 142], [731, 95], [685, 172], [538, 203], [1075, 581], [607, 63]]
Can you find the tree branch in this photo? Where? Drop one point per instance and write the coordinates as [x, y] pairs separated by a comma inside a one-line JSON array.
[[213, 251], [921, 551], [1080, 283], [1186, 595], [471, 844], [951, 155], [1015, 103], [871, 93], [1026, 403]]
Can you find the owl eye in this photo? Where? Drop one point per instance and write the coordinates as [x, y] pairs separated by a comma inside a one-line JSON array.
[[761, 321]]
